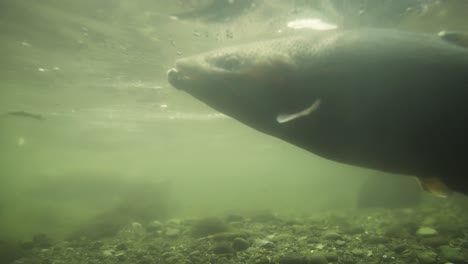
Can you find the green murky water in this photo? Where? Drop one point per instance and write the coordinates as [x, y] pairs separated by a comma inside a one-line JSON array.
[[109, 136]]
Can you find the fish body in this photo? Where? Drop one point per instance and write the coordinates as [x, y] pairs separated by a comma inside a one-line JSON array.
[[388, 100], [26, 114]]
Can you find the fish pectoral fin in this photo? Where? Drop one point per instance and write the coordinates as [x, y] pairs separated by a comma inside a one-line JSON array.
[[457, 38], [283, 118], [434, 186]]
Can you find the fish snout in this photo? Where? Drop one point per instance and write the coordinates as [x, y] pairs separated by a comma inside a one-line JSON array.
[[174, 78]]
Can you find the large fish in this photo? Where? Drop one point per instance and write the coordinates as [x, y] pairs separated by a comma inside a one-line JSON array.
[[381, 99]]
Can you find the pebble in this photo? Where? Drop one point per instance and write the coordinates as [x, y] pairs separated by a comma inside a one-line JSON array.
[[340, 243], [435, 241], [377, 240], [292, 260], [263, 243], [317, 259], [222, 248], [331, 235], [426, 231], [451, 254], [358, 252], [108, 252], [172, 232], [426, 257], [154, 226], [240, 244]]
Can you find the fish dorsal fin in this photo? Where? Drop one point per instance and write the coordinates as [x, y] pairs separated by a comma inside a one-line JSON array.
[[284, 118], [434, 186], [457, 38]]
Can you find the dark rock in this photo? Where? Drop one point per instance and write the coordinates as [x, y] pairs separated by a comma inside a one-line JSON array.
[[154, 226], [399, 249], [222, 248], [41, 241], [387, 258], [451, 254], [240, 244], [331, 257], [293, 260], [229, 236], [10, 251], [263, 217], [265, 244], [122, 246], [426, 257], [358, 252], [376, 240], [397, 232], [436, 241], [312, 259], [331, 235], [317, 259], [450, 228], [209, 226], [313, 240], [354, 230], [172, 232]]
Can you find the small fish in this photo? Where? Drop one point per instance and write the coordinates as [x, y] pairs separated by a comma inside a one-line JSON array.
[[26, 114]]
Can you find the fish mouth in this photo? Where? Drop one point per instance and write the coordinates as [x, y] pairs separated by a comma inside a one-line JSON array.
[[185, 73], [175, 77]]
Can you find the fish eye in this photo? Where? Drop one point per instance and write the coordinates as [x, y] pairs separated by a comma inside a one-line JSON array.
[[229, 63]]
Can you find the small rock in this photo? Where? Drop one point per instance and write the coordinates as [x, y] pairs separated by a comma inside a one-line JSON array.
[[154, 226], [263, 243], [354, 230], [451, 254], [195, 253], [377, 240], [122, 246], [41, 241], [400, 249], [436, 241], [340, 243], [263, 217], [331, 235], [317, 259], [426, 257], [174, 221], [173, 259], [331, 257], [387, 258], [240, 244], [120, 256], [172, 232], [209, 226], [293, 260], [426, 231], [358, 252], [222, 248]]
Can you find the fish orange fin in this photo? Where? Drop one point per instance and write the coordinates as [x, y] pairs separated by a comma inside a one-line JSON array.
[[434, 186]]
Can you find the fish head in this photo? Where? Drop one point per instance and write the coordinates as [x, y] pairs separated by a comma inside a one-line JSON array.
[[253, 83]]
